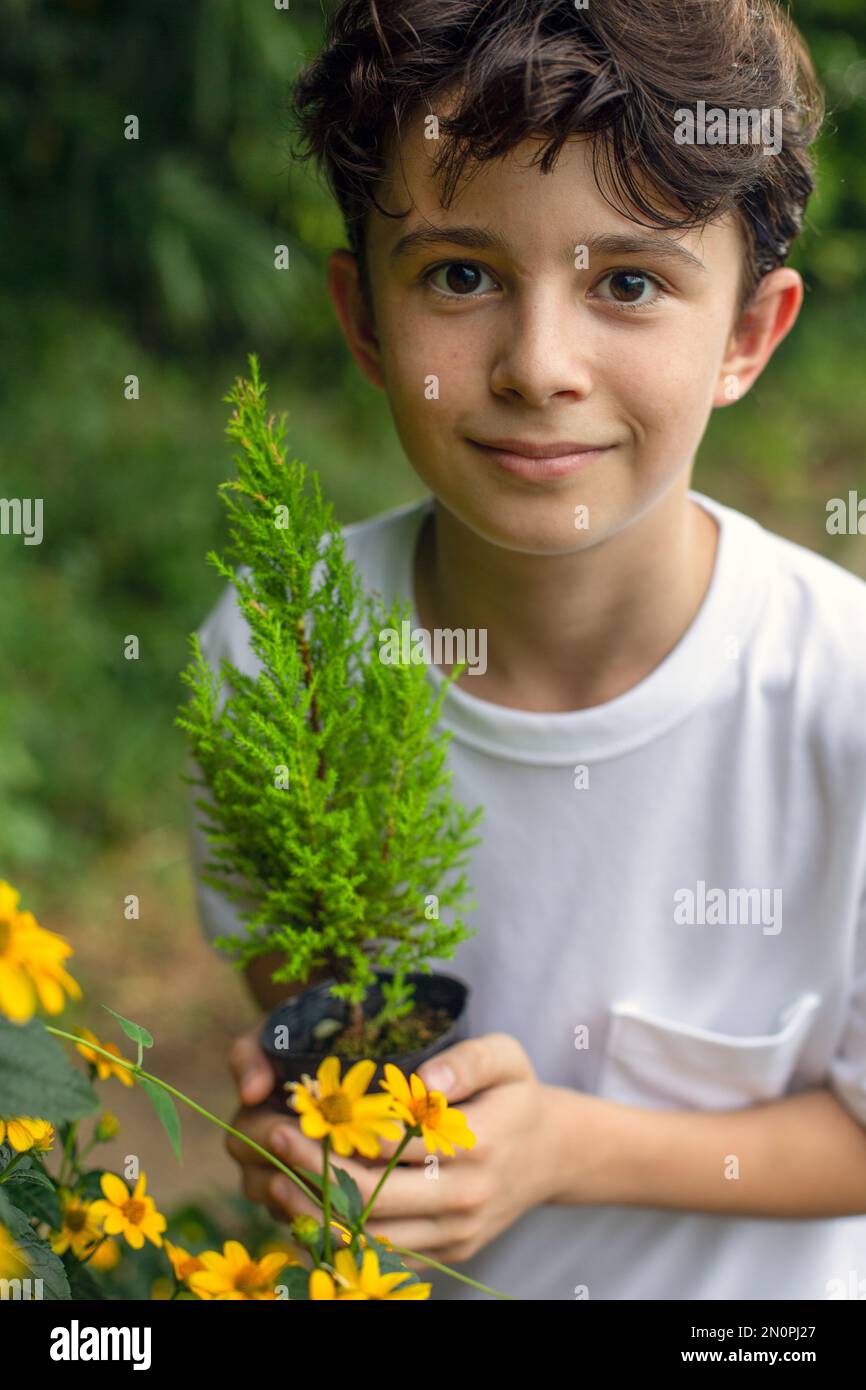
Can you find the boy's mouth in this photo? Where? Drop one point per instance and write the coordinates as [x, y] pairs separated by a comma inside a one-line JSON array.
[[537, 461]]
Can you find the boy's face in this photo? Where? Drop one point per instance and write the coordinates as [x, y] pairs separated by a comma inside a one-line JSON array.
[[623, 348]]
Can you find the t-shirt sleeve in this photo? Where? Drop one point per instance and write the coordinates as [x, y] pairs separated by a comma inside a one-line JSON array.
[[224, 633], [847, 1073]]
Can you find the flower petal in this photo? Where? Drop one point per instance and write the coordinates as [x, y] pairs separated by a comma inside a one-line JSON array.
[[116, 1191], [358, 1078], [329, 1076]]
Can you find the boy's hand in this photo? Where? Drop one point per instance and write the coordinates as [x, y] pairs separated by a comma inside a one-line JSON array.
[[262, 1117], [449, 1209]]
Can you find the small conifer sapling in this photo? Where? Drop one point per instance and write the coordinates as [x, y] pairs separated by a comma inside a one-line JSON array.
[[329, 816]]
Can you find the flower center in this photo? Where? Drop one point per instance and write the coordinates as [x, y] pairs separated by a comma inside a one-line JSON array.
[[5, 934], [337, 1109], [75, 1219], [428, 1112], [249, 1279], [134, 1211]]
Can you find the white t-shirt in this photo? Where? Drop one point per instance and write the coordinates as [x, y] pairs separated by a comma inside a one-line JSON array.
[[622, 907]]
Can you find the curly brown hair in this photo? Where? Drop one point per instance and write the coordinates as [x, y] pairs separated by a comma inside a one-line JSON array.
[[617, 69]]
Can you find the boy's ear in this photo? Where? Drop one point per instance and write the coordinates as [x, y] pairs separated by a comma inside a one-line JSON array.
[[768, 317], [356, 319]]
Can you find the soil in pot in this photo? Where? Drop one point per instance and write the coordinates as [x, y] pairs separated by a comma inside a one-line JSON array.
[[369, 1040], [316, 1025]]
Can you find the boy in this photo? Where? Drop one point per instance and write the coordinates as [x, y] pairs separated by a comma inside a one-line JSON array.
[[666, 1068]]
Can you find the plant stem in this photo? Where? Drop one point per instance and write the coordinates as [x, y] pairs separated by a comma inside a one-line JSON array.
[[137, 1071], [410, 1134], [265, 1153], [326, 1197], [67, 1147], [446, 1269], [82, 1153], [11, 1164]]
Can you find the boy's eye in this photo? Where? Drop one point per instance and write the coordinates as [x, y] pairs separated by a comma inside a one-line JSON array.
[[459, 279], [631, 288]]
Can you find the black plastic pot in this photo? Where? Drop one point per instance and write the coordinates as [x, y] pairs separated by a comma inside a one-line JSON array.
[[301, 1014]]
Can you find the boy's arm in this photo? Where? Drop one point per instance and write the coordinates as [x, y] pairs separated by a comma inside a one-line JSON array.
[[800, 1156]]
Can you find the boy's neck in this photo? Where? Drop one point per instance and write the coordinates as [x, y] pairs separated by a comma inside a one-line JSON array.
[[567, 632]]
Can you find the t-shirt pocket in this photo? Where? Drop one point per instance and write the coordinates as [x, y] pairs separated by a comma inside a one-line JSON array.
[[662, 1063]]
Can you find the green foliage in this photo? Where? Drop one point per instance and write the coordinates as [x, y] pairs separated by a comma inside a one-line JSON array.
[[349, 1190], [30, 1189], [41, 1262], [179, 224], [85, 763], [166, 1112], [330, 818], [36, 1077], [135, 1031], [296, 1281]]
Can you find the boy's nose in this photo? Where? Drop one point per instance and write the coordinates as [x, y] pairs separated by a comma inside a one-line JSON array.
[[541, 353]]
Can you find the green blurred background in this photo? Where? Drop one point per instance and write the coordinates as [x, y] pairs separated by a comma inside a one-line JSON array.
[[155, 257]]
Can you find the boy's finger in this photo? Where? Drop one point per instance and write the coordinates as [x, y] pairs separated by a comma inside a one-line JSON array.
[[262, 1126], [415, 1151], [472, 1066], [251, 1069], [290, 1199], [257, 1188]]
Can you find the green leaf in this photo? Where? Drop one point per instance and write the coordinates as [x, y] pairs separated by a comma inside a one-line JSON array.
[[338, 1201], [345, 1197], [315, 1178], [132, 1030], [34, 1194], [82, 1285], [351, 1192], [296, 1280], [89, 1185], [38, 1079], [29, 1175], [389, 1262], [42, 1262], [166, 1112]]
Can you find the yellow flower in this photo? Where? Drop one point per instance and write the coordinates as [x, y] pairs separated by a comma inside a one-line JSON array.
[[105, 1256], [305, 1229], [79, 1230], [343, 1111], [440, 1125], [13, 1263], [25, 1133], [30, 962], [234, 1275], [107, 1126], [347, 1236], [134, 1217], [45, 1141], [364, 1283], [182, 1262], [104, 1068]]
